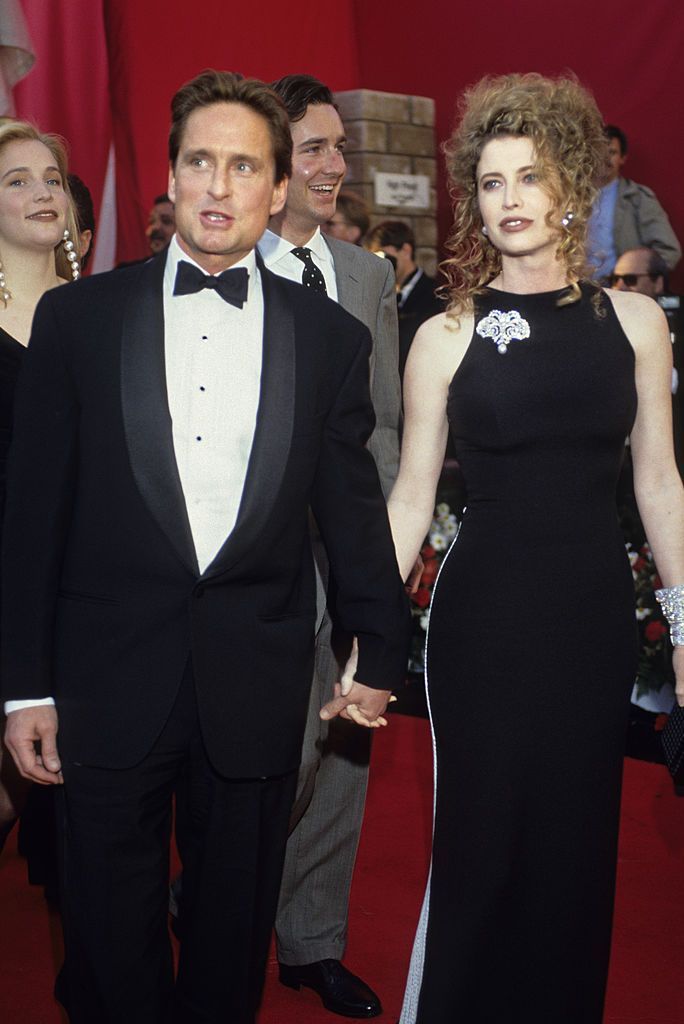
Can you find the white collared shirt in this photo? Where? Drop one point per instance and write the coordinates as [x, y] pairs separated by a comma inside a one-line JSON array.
[[213, 378], [276, 252], [213, 356], [403, 293]]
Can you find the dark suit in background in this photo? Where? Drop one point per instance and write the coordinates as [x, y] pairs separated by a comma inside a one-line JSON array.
[[418, 306]]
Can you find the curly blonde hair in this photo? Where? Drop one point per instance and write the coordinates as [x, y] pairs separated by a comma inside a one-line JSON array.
[[563, 122], [23, 131]]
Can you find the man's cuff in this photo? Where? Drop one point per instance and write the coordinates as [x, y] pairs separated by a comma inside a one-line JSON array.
[[19, 705]]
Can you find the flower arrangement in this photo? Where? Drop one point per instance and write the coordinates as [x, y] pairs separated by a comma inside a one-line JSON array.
[[442, 532], [655, 655]]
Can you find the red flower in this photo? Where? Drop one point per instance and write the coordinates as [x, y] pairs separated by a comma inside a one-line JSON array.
[[428, 552], [654, 631], [639, 564], [421, 597], [429, 572]]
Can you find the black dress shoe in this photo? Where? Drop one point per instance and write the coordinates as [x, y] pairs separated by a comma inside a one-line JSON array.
[[340, 990]]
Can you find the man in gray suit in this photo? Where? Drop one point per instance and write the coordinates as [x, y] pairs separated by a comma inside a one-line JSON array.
[[311, 927]]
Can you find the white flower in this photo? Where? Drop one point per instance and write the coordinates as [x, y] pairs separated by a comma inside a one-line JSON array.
[[642, 613], [424, 621], [437, 541]]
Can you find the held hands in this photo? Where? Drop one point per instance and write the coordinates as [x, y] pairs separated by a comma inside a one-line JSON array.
[[31, 738], [356, 702]]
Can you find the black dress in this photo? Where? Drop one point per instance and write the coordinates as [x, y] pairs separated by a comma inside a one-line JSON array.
[[11, 358], [531, 659]]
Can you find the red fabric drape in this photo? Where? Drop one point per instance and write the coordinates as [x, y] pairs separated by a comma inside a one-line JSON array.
[[630, 57], [631, 60], [67, 90], [152, 53]]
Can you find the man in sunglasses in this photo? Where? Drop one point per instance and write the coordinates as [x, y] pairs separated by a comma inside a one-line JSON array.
[[627, 215], [640, 270]]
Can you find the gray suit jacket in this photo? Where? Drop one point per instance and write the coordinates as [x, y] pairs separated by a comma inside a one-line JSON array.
[[366, 288], [641, 221]]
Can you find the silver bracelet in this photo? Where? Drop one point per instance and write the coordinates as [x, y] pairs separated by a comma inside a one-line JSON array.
[[671, 600]]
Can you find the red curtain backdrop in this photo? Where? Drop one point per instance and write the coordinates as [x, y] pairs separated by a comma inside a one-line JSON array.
[[629, 56], [154, 48], [631, 59], [67, 91]]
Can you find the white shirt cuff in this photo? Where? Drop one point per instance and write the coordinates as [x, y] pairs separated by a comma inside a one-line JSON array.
[[19, 705]]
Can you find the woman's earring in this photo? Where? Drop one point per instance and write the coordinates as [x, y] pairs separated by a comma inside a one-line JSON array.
[[71, 255], [484, 230], [567, 218], [5, 293]]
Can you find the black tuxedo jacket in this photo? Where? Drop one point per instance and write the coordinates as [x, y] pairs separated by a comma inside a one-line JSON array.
[[103, 600]]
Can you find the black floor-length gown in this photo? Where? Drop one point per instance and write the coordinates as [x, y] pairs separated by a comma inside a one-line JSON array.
[[531, 659]]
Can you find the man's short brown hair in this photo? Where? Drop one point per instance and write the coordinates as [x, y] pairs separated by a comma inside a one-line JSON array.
[[353, 208], [230, 87]]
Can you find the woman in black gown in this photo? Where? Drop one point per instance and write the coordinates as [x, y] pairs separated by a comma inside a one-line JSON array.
[[531, 650], [36, 254]]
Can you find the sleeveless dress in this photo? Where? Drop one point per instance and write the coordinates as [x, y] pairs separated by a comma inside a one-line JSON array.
[[531, 658]]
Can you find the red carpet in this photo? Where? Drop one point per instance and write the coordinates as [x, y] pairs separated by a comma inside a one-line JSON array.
[[647, 974]]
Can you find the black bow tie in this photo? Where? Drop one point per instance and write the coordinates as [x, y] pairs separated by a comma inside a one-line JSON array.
[[231, 284]]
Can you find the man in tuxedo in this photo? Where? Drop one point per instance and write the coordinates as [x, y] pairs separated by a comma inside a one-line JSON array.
[[311, 927], [175, 422]]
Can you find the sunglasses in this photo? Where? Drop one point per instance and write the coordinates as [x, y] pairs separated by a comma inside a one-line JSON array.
[[630, 279]]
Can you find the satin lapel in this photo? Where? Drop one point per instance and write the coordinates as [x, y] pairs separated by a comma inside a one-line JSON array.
[[349, 284], [275, 419], [145, 406]]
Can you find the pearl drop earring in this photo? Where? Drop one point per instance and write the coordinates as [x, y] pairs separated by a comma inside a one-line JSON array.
[[5, 293], [71, 255]]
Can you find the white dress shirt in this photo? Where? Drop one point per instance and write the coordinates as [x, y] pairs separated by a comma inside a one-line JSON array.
[[213, 377], [276, 253], [213, 356]]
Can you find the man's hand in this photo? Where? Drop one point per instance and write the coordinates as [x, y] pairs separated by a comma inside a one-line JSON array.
[[413, 581], [361, 704], [31, 737]]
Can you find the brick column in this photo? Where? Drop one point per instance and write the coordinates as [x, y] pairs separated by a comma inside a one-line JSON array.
[[395, 134]]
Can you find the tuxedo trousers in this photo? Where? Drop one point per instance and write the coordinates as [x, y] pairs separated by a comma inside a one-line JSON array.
[[115, 832], [325, 824]]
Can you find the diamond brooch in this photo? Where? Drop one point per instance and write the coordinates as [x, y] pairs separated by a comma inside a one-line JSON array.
[[503, 328]]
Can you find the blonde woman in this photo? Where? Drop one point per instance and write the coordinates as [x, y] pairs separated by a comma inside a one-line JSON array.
[[539, 375], [38, 243]]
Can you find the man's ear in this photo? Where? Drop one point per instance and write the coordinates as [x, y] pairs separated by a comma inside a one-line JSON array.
[[171, 187], [279, 196]]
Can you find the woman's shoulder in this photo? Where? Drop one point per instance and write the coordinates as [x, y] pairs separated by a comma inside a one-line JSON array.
[[640, 317], [444, 331], [634, 306], [440, 344]]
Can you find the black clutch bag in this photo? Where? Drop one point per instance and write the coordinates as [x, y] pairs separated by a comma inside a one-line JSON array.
[[673, 740]]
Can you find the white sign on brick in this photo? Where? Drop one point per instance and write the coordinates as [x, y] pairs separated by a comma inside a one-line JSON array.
[[402, 190]]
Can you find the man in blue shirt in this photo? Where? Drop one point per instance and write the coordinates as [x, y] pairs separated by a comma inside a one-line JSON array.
[[627, 215]]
